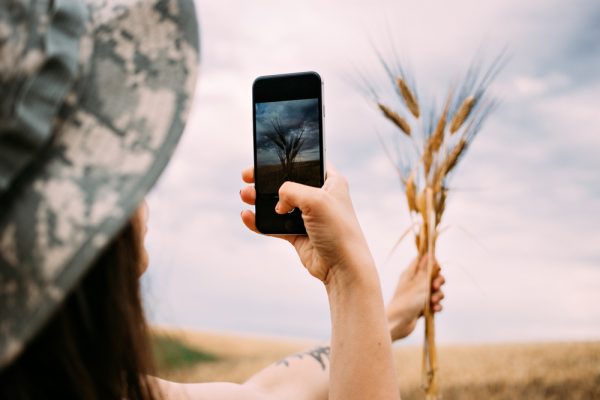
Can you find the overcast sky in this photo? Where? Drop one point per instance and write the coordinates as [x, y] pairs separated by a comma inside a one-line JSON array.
[[522, 250]]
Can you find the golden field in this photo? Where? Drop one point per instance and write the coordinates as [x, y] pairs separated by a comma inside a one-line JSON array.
[[503, 371]]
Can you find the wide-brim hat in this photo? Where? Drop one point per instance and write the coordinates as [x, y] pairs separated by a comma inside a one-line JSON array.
[[94, 96]]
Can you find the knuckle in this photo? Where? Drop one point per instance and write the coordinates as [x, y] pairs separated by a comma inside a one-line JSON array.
[[283, 189], [321, 197]]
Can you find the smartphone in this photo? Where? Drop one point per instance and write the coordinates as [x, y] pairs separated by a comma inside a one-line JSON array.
[[288, 144]]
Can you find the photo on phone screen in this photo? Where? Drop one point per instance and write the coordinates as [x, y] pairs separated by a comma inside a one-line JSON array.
[[287, 143]]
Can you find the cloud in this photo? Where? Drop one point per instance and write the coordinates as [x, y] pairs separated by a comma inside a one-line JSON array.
[[520, 254]]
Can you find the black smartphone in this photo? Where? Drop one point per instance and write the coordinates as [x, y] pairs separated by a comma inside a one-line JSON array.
[[288, 144]]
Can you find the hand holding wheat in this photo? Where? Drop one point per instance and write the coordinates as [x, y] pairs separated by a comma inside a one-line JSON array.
[[439, 143]]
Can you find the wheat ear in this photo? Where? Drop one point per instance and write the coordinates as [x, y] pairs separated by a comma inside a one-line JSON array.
[[409, 99], [454, 155], [437, 137], [463, 113], [395, 118], [411, 192]]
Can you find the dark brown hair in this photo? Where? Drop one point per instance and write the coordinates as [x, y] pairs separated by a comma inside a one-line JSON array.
[[97, 345]]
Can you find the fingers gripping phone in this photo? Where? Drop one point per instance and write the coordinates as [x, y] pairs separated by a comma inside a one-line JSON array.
[[288, 144]]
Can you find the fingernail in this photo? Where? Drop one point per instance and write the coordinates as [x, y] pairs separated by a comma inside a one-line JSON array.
[[277, 208]]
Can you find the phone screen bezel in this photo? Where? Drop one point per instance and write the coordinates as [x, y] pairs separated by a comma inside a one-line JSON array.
[[272, 88]]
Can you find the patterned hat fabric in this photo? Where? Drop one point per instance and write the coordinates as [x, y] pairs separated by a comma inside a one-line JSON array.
[[94, 96]]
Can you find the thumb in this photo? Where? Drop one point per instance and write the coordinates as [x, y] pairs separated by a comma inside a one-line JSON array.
[[294, 195]]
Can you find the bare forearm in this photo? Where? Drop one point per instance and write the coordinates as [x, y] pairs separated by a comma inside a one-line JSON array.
[[362, 365], [358, 322], [301, 376]]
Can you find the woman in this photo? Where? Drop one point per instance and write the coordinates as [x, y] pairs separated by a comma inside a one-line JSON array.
[[94, 99]]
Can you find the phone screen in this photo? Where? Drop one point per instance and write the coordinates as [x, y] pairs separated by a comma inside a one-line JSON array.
[[288, 144]]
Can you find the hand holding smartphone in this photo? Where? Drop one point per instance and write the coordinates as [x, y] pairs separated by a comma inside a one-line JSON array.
[[288, 144]]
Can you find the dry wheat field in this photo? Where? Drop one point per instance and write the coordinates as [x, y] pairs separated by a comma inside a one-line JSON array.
[[499, 371]]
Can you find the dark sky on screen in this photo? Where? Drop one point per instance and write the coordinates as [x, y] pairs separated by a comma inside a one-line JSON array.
[[293, 116]]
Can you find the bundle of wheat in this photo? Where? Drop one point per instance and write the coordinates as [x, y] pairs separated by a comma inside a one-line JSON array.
[[439, 144]]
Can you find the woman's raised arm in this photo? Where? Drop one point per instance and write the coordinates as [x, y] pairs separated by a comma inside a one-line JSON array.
[[335, 251]]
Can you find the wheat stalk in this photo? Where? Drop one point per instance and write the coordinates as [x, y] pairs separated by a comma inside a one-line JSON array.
[[454, 156], [395, 118], [463, 113], [409, 98], [411, 193], [425, 184], [435, 141]]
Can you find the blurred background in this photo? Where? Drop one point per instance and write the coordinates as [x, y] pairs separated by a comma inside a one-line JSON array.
[[521, 254]]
